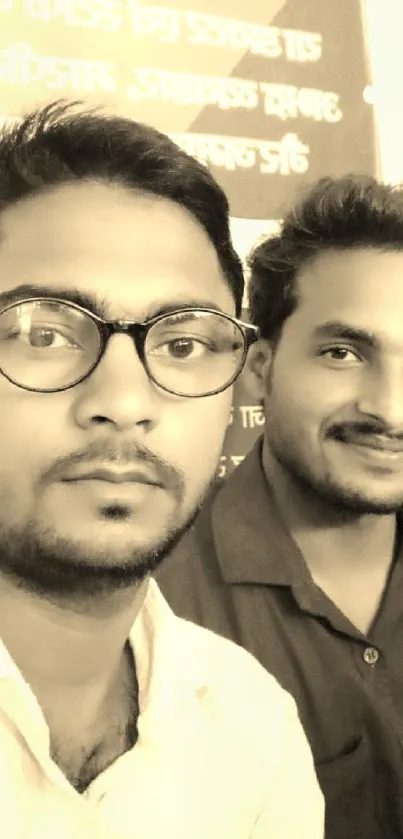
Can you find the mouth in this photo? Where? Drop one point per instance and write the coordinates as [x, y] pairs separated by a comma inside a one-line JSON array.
[[113, 476], [380, 443]]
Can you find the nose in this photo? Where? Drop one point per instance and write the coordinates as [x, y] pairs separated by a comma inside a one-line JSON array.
[[118, 392], [382, 398]]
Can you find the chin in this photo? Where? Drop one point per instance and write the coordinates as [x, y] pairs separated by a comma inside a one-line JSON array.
[[113, 549], [359, 500]]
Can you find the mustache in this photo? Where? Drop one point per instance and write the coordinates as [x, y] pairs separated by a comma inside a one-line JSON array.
[[122, 455], [342, 430]]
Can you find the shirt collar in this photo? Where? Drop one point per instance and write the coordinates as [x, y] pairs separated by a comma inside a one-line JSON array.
[[164, 649], [252, 544], [172, 666]]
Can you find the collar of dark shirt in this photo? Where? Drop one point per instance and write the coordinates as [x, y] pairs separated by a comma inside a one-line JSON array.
[[252, 544]]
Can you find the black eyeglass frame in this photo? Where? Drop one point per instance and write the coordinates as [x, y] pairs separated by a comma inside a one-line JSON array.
[[138, 332]]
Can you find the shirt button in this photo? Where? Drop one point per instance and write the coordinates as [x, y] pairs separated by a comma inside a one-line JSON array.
[[371, 655]]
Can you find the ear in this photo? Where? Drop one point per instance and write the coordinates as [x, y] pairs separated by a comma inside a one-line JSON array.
[[258, 368]]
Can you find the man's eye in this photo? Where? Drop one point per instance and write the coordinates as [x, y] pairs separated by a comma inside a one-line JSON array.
[[40, 337], [181, 348], [341, 354], [47, 337]]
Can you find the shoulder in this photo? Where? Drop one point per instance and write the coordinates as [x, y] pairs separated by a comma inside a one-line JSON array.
[[253, 715], [235, 675], [242, 716]]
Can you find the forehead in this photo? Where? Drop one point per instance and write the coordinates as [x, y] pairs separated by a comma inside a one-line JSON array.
[[128, 249], [363, 287]]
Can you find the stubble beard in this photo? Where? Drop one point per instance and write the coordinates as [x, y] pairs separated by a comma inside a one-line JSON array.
[[343, 498], [54, 567]]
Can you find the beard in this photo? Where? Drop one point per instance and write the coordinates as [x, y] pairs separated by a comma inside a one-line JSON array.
[[344, 498], [36, 558], [323, 486], [53, 567]]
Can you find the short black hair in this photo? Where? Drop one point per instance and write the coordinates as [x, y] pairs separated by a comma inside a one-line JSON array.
[[334, 214], [64, 142]]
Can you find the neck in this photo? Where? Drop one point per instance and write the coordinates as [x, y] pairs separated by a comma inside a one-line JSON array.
[[70, 657], [328, 536]]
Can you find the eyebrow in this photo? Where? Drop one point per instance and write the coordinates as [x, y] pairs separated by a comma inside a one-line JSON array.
[[347, 332], [97, 305]]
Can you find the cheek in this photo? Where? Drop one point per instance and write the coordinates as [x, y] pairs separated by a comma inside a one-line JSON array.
[[199, 429], [309, 391], [23, 443], [295, 412], [30, 433], [19, 437]]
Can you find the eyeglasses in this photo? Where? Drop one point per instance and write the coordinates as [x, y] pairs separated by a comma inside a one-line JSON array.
[[48, 345]]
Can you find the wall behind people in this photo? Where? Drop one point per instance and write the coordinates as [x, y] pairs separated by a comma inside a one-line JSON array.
[[384, 26], [268, 95]]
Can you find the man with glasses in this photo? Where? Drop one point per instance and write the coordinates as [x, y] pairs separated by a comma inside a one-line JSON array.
[[120, 294]]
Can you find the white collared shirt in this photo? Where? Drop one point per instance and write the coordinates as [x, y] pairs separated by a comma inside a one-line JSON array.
[[220, 755]]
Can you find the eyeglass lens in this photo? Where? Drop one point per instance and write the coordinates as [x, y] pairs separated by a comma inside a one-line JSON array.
[[47, 345]]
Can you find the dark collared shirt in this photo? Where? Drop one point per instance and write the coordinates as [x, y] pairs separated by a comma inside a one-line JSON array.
[[239, 573]]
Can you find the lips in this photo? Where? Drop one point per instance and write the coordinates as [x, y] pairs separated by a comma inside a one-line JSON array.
[[112, 476], [379, 442]]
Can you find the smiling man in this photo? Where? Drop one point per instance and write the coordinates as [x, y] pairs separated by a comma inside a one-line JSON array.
[[119, 343], [298, 556]]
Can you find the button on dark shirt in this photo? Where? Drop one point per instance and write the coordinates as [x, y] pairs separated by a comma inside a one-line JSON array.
[[239, 572]]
